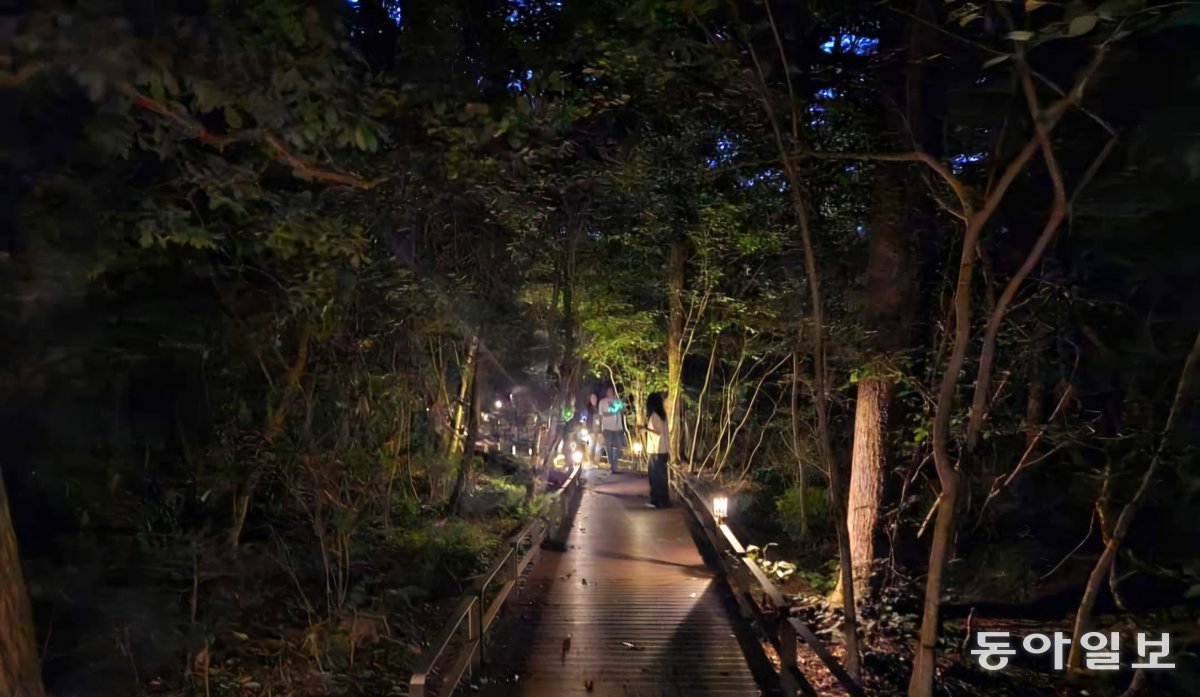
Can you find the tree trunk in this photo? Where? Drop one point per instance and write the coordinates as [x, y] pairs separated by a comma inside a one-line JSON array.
[[837, 501], [677, 271], [1125, 520], [712, 360], [20, 668], [801, 474], [276, 418], [887, 308], [241, 506], [470, 394], [925, 662], [462, 408], [866, 478]]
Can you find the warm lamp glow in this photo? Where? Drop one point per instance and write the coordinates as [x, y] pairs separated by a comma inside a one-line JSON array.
[[499, 404], [720, 508], [637, 447], [577, 456]]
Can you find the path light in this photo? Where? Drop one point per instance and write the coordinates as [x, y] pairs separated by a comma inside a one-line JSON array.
[[637, 447], [720, 508], [499, 404], [577, 456]]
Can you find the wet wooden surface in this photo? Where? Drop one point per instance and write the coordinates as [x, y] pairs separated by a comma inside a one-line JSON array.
[[629, 609]]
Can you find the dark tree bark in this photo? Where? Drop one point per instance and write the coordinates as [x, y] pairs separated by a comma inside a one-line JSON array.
[[677, 271], [888, 305], [20, 668]]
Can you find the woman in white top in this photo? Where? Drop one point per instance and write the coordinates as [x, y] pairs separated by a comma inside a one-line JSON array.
[[657, 447]]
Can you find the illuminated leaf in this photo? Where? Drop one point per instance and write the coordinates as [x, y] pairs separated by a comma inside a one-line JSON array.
[[1081, 25]]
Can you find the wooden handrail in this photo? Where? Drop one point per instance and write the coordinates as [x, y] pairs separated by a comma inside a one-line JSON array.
[[779, 628], [472, 609]]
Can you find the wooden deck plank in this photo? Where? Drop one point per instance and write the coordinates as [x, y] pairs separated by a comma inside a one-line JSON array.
[[644, 613]]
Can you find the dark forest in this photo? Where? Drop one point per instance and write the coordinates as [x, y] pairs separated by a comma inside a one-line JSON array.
[[308, 307]]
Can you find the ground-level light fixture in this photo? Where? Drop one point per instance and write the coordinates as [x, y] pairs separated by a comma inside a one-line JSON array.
[[577, 456], [637, 447], [499, 404], [720, 508]]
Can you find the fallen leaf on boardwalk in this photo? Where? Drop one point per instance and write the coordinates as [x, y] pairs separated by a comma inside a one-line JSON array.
[[632, 646], [567, 644], [589, 684], [585, 581]]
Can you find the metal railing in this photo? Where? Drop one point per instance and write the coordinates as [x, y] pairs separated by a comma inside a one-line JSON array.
[[774, 620], [478, 609]]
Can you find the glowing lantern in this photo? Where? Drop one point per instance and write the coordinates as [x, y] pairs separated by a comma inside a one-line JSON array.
[[720, 508], [577, 456]]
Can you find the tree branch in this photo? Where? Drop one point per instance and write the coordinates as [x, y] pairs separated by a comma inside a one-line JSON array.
[[1058, 212], [960, 190], [301, 167]]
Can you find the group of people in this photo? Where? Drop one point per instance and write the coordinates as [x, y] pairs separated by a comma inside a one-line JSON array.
[[609, 413]]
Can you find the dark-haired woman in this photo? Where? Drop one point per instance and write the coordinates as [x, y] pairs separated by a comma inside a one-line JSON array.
[[657, 442]]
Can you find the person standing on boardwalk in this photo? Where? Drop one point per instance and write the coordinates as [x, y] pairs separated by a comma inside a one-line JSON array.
[[593, 425], [657, 447], [612, 421]]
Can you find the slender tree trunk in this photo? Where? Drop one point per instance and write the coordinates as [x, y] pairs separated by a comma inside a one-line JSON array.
[[1103, 565], [837, 499], [276, 417], [712, 360], [20, 668], [466, 455], [677, 271], [801, 474], [462, 410], [948, 470]]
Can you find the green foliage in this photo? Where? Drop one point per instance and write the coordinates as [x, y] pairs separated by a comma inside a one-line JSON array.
[[777, 570], [443, 551], [795, 505], [822, 581]]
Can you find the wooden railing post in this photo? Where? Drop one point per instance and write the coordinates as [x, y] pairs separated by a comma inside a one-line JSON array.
[[475, 633], [514, 568], [787, 641], [556, 538], [473, 608]]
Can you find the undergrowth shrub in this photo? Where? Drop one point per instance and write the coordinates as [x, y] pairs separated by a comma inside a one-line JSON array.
[[447, 550], [789, 511]]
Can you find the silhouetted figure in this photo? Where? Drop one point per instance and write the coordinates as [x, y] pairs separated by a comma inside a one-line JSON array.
[[657, 444], [612, 421]]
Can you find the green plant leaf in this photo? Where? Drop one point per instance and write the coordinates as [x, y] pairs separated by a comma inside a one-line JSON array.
[[1082, 25], [996, 61]]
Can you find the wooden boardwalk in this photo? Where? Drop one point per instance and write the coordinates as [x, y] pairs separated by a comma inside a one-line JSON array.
[[628, 609]]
